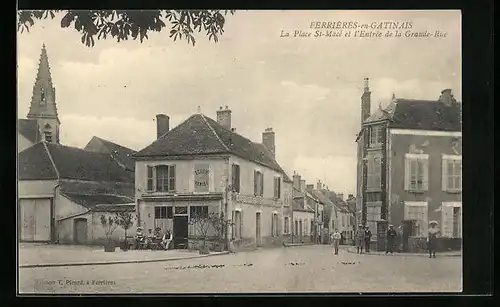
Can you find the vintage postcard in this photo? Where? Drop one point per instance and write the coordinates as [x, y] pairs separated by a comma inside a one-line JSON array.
[[210, 151]]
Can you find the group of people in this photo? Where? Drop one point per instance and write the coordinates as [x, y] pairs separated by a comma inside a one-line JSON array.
[[363, 239], [146, 240]]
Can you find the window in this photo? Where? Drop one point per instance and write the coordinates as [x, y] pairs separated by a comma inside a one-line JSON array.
[[452, 173], [374, 172], [286, 223], [277, 187], [236, 178], [417, 211], [42, 96], [237, 225], [150, 184], [373, 215], [376, 133], [196, 210], [373, 196], [47, 131], [274, 225], [416, 172], [165, 178], [258, 183], [300, 228], [163, 212], [451, 219], [312, 226]]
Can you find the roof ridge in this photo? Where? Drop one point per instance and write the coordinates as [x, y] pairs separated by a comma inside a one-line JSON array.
[[215, 133], [51, 160]]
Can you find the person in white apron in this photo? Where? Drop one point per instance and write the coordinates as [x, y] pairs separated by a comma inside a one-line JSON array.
[[167, 238]]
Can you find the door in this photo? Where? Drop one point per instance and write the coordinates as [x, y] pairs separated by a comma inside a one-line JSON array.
[[180, 233], [35, 218], [80, 229], [257, 229], [27, 219], [42, 220]]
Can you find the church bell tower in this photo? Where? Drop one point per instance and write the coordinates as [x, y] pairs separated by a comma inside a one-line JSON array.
[[43, 106]]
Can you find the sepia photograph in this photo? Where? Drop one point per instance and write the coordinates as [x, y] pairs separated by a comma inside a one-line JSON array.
[[239, 151]]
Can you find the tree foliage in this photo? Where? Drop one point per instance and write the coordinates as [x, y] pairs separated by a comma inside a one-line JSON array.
[[109, 224], [136, 24], [125, 220]]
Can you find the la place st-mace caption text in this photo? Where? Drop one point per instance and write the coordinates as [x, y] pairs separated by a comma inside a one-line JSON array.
[[401, 29]]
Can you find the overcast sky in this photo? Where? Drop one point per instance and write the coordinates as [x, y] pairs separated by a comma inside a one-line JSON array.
[[307, 89]]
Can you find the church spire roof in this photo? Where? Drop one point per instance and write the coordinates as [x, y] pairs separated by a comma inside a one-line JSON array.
[[43, 100]]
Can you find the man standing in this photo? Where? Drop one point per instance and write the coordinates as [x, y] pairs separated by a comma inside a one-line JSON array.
[[368, 238], [391, 236], [336, 241], [360, 239]]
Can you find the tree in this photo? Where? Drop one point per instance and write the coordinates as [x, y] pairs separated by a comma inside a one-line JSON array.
[[109, 224], [202, 224], [125, 220], [125, 24]]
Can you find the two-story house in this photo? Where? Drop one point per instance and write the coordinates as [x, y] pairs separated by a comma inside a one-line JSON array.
[[410, 163], [203, 166]]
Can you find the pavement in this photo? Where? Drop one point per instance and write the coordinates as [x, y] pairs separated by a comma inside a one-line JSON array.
[[308, 268], [353, 250], [58, 255]]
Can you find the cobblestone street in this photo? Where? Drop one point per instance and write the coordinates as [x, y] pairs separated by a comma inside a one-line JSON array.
[[295, 269]]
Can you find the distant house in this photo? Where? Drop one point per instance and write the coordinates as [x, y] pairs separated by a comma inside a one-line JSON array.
[[63, 191], [42, 122], [203, 166], [410, 163], [122, 155]]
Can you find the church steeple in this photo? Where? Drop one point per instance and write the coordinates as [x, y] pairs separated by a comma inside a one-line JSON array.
[[43, 106]]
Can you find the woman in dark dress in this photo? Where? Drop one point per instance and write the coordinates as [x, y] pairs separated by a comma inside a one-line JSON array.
[[431, 238]]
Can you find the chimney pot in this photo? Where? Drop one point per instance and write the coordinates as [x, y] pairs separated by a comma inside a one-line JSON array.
[[162, 125]]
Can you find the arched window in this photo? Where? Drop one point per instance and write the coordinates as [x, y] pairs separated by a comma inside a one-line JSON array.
[[47, 131]]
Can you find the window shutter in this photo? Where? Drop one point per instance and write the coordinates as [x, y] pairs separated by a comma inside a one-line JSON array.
[[237, 178], [425, 167], [233, 177], [255, 183], [232, 224], [407, 173], [447, 221], [279, 187], [444, 176], [242, 225], [261, 184], [460, 222]]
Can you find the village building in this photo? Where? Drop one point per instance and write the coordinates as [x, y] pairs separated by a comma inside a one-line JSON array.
[[63, 190], [42, 122], [410, 164], [204, 166]]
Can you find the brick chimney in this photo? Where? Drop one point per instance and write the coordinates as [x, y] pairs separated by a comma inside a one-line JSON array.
[[319, 185], [302, 185], [365, 100], [162, 125], [447, 97], [296, 180], [268, 140], [224, 117]]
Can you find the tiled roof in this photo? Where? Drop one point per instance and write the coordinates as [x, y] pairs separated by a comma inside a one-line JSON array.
[[71, 163], [91, 201], [427, 115], [76, 163], [419, 115], [125, 189], [298, 205], [202, 135], [29, 129], [122, 154], [34, 164]]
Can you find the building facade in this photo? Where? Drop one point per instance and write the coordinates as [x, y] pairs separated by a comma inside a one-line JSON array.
[[410, 164], [204, 166]]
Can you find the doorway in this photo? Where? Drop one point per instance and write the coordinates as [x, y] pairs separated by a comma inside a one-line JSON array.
[[80, 230], [257, 229], [180, 233]]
